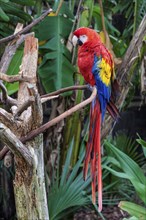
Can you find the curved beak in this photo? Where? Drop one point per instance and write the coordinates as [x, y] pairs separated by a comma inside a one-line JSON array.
[[75, 40]]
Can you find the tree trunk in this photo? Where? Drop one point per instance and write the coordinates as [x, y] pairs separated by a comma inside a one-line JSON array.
[[29, 183]]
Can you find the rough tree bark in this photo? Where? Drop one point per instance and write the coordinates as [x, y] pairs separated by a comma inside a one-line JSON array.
[[29, 183]]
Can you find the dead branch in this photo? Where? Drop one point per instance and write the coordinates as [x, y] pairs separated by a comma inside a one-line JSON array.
[[8, 120], [14, 144], [24, 106], [132, 54], [59, 7], [14, 78], [4, 98], [11, 49], [58, 92], [4, 64], [102, 17], [54, 95], [43, 100], [4, 95], [143, 76], [27, 28], [54, 121], [126, 70], [36, 106], [3, 152]]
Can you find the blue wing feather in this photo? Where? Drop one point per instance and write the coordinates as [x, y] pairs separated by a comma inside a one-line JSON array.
[[104, 91]]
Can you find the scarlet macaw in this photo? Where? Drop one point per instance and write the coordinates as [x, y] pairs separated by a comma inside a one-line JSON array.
[[97, 67]]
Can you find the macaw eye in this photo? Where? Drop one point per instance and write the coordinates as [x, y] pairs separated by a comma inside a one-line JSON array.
[[83, 38]]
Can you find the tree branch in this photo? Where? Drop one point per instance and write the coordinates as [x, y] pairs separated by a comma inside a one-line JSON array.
[[10, 51], [14, 78], [3, 152], [54, 121], [4, 98], [8, 120], [58, 92], [4, 95], [43, 100], [27, 28], [36, 107], [134, 53], [14, 144], [24, 106], [125, 72]]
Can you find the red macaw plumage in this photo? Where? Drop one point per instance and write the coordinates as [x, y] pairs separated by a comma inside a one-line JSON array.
[[97, 67]]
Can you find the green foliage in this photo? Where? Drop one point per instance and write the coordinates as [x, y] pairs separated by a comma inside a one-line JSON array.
[[12, 12], [68, 193], [131, 170], [13, 69], [122, 19], [139, 12], [143, 144], [134, 210], [129, 147], [55, 70]]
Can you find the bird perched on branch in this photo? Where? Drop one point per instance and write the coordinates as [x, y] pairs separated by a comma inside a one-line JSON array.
[[97, 67]]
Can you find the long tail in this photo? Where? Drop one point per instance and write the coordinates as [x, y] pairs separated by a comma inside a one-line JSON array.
[[113, 111], [93, 152]]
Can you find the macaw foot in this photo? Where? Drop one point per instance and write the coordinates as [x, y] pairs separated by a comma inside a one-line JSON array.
[[90, 87]]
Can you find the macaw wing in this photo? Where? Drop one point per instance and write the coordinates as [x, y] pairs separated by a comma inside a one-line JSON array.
[[102, 73]]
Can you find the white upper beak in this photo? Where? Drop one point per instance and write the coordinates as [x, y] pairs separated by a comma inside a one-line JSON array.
[[74, 40]]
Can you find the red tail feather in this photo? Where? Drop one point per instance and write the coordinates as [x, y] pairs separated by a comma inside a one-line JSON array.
[[93, 153]]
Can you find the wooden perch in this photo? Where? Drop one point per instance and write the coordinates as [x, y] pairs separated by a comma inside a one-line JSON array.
[[70, 88], [14, 144], [54, 121]]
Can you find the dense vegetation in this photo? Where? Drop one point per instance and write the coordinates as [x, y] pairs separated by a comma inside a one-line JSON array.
[[123, 172]]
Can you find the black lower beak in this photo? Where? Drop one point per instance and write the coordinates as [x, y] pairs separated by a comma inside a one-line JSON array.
[[79, 42]]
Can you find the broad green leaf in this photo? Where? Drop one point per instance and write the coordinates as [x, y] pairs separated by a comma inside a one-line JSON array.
[[131, 218], [3, 15], [64, 10], [13, 70], [10, 8], [143, 144], [86, 15], [24, 2], [70, 192], [139, 187], [53, 26], [133, 209], [127, 164], [56, 70], [131, 171]]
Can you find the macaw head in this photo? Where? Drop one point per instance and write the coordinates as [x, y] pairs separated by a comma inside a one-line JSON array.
[[83, 35]]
